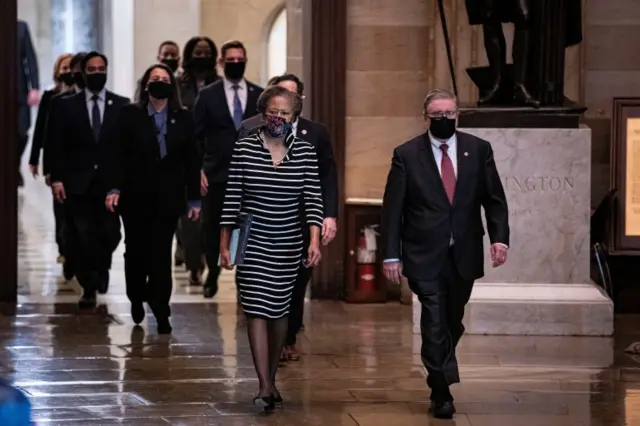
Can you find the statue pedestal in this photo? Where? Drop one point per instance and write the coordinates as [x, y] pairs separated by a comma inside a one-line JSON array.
[[566, 116], [545, 286]]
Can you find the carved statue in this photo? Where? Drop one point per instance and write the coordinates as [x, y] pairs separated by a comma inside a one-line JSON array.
[[534, 20]]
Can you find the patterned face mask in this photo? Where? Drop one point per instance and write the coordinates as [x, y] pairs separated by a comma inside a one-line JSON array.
[[277, 127]]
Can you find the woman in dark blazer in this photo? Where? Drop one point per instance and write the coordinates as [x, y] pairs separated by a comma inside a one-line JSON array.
[[63, 79], [200, 55], [154, 174]]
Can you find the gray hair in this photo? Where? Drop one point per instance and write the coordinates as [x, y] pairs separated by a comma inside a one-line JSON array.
[[435, 95]]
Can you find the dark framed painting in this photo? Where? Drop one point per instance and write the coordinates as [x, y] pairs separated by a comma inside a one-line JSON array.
[[625, 176]]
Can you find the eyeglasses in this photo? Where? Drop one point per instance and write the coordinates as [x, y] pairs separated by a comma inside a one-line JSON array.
[[441, 114]]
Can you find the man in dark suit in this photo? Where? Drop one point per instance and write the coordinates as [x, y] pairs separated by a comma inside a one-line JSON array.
[[67, 237], [79, 146], [317, 135], [28, 88], [218, 112], [432, 232]]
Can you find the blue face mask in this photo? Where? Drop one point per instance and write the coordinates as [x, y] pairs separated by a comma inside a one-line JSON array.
[[277, 127]]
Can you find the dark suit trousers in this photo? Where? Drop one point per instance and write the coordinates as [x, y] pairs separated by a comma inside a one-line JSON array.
[[212, 210], [60, 219], [443, 301], [24, 117], [296, 310], [147, 259], [96, 233]]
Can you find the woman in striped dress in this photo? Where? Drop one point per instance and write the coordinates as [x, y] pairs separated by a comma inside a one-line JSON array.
[[273, 176]]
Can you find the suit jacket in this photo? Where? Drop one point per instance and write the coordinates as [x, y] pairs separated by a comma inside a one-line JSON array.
[[52, 113], [316, 134], [418, 219], [39, 132], [76, 157], [149, 184], [28, 77], [215, 126]]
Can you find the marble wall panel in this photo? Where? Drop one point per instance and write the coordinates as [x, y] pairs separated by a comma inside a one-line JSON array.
[[546, 174]]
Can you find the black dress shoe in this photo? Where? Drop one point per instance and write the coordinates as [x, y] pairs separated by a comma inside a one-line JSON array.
[[137, 312], [210, 291], [442, 409], [103, 282], [67, 270], [88, 301], [178, 257], [164, 326]]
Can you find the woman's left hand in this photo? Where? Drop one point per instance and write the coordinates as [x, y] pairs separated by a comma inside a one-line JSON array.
[[314, 256], [194, 213]]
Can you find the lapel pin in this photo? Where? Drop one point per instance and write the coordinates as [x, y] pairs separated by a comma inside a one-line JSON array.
[[304, 132], [173, 120], [109, 102], [466, 154]]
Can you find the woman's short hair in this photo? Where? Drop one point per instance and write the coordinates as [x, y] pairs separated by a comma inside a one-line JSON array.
[[435, 95], [56, 66], [142, 94], [274, 91]]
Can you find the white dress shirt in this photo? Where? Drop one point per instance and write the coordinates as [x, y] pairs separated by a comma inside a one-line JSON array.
[[102, 96], [451, 151], [230, 93]]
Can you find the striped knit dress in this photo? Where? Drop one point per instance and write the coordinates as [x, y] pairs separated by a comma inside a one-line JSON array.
[[273, 195]]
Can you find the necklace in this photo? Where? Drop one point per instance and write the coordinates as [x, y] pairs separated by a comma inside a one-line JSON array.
[[276, 163]]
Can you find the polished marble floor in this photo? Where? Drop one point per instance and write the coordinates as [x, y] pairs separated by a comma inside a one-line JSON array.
[[360, 365]]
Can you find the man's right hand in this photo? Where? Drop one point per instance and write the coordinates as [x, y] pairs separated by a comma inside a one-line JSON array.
[[393, 271], [111, 202], [58, 192], [204, 183]]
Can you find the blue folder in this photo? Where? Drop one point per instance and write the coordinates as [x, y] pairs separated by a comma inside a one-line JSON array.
[[239, 240]]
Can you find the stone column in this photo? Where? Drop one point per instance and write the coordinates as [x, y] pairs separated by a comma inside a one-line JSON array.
[[390, 51]]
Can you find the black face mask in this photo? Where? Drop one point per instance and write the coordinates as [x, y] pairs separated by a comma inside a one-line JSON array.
[[202, 64], [96, 81], [442, 128], [160, 89], [171, 63], [234, 70], [67, 78], [78, 79]]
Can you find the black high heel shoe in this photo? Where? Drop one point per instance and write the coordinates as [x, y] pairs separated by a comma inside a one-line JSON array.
[[267, 403], [277, 399]]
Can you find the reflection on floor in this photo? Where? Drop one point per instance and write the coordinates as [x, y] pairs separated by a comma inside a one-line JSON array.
[[361, 364]]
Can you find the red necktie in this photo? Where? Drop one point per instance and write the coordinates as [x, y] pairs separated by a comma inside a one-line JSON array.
[[448, 174]]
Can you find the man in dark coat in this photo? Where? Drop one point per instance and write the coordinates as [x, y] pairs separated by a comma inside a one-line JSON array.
[[28, 88], [491, 14]]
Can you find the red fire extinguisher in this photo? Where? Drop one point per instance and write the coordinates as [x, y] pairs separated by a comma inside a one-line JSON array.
[[366, 266]]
